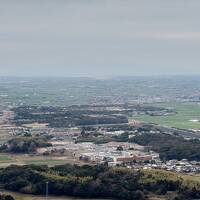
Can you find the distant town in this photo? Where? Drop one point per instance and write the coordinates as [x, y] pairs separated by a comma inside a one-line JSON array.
[[145, 134], [95, 134]]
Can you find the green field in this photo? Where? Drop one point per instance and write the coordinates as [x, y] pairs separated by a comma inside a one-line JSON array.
[[4, 158], [186, 112]]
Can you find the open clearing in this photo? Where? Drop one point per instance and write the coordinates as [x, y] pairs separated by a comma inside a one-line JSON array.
[[36, 125], [186, 118], [22, 159]]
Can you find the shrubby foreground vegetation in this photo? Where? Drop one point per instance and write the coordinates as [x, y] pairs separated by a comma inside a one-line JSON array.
[[6, 197], [97, 181]]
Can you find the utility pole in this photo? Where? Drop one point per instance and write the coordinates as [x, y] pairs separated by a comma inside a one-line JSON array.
[[47, 190]]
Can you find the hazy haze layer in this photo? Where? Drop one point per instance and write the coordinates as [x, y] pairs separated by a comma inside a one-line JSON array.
[[99, 38]]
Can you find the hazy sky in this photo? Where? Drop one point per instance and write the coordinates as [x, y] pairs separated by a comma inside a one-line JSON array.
[[99, 37]]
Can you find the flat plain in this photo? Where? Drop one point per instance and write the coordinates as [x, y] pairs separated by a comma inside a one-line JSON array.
[[187, 116], [24, 159]]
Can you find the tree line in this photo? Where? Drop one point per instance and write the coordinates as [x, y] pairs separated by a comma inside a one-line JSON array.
[[170, 146], [25, 144], [6, 197]]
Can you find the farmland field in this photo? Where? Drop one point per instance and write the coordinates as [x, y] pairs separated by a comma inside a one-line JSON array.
[[8, 159], [186, 118], [5, 158]]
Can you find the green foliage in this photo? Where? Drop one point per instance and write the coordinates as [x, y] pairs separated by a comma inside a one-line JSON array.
[[25, 144], [6, 197], [170, 147], [61, 117], [96, 181]]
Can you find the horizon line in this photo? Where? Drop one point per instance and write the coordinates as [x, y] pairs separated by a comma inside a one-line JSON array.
[[102, 77]]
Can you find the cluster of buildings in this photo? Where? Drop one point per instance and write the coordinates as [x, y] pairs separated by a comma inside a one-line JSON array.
[[118, 154], [114, 153], [184, 166]]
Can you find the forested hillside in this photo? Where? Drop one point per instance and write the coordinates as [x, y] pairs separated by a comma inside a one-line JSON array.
[[97, 181]]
